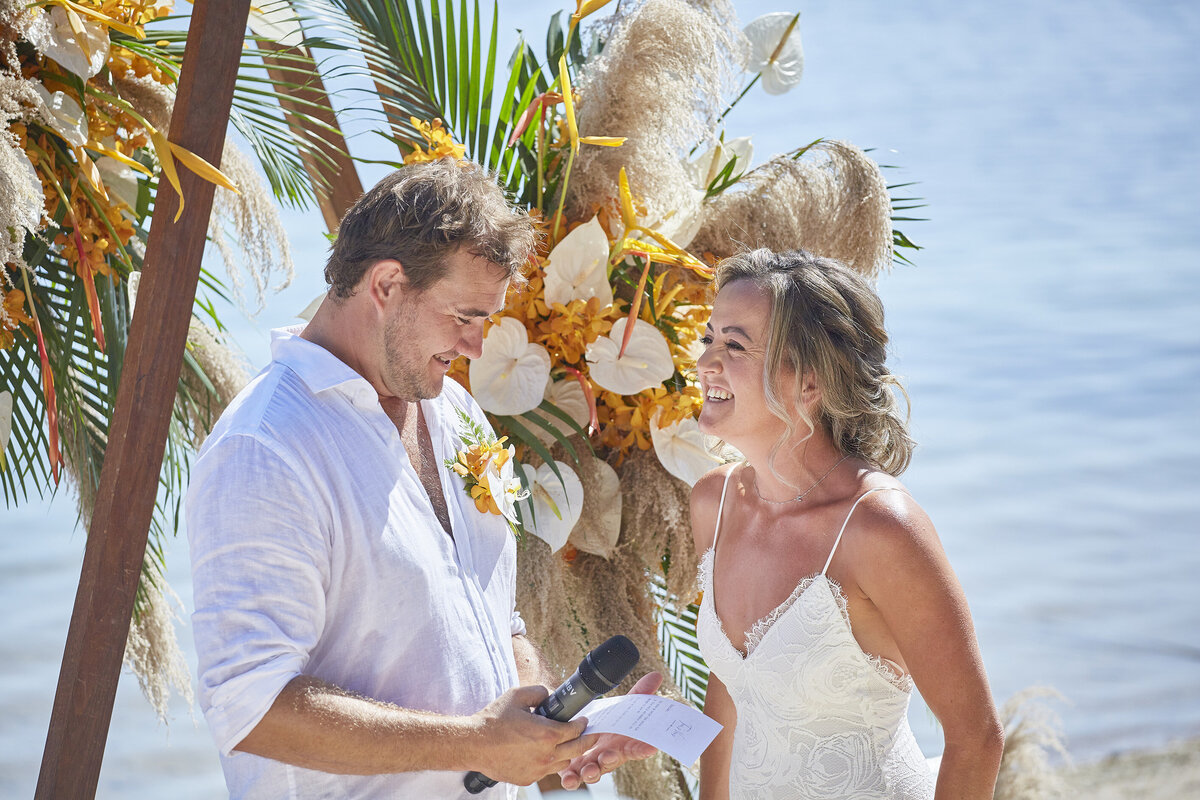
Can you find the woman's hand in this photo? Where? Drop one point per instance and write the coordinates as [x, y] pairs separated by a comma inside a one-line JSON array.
[[610, 750]]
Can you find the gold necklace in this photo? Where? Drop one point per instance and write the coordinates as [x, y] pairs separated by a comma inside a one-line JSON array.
[[803, 494]]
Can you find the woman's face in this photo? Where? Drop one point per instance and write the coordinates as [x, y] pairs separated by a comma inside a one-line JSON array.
[[731, 368]]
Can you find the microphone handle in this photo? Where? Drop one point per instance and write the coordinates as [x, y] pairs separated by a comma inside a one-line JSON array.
[[567, 701]]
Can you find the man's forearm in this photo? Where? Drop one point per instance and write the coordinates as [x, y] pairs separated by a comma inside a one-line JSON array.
[[532, 666], [318, 726]]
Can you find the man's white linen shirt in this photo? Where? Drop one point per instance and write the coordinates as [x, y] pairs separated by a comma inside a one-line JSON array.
[[316, 551]]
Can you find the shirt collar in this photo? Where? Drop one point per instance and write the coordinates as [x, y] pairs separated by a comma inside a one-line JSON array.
[[320, 369]]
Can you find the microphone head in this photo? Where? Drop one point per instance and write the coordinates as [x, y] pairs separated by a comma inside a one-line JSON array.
[[608, 664]]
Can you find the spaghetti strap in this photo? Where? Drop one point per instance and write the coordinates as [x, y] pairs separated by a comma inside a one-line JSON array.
[[838, 540], [721, 507]]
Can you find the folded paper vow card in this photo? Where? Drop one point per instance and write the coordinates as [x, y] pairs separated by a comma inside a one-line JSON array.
[[678, 730]]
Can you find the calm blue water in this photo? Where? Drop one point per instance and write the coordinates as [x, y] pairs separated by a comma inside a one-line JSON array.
[[1049, 338]]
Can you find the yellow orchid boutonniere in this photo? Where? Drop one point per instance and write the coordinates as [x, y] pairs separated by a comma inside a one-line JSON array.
[[487, 468]]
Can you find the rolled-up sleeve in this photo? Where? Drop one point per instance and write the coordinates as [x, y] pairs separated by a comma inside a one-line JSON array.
[[260, 570]]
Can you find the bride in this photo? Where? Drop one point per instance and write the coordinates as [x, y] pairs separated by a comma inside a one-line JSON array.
[[827, 594]]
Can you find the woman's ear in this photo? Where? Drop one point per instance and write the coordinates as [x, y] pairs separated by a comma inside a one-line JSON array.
[[810, 393]]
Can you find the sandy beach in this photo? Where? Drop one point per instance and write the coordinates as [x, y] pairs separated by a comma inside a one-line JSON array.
[[1167, 774]]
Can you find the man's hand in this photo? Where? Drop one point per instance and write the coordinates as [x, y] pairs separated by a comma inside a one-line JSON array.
[[610, 750], [520, 747]]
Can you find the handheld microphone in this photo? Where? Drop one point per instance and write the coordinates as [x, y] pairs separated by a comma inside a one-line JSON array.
[[600, 671]]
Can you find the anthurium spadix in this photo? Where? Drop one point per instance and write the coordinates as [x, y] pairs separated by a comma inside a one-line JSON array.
[[775, 51], [682, 448], [577, 267], [511, 374], [645, 363], [557, 504], [567, 396]]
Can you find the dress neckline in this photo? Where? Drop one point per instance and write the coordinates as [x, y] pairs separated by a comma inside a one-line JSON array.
[[764, 624], [884, 667]]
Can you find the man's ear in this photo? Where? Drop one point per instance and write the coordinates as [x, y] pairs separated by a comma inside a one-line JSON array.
[[385, 283]]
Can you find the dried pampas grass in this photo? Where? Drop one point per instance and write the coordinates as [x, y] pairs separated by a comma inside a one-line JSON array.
[[251, 221], [224, 369], [661, 81], [152, 649], [151, 99], [599, 597], [1032, 732], [834, 202]]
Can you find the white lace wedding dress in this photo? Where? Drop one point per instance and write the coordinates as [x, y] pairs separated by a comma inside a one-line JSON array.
[[817, 718]]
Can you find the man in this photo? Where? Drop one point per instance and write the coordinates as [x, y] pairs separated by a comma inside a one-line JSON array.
[[355, 619]]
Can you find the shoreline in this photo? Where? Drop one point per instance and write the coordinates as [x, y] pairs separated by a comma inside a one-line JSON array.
[[1164, 773]]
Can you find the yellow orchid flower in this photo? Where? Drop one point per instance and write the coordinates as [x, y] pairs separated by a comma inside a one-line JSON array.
[[75, 9]]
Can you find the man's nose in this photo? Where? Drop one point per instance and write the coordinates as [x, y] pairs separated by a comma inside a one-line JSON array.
[[471, 345]]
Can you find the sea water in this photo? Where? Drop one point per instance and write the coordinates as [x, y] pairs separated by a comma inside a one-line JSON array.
[[1048, 335]]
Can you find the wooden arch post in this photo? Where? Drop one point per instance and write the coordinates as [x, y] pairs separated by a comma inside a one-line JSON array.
[[116, 542]]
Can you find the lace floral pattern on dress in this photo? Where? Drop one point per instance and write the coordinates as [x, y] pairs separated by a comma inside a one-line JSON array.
[[817, 718]]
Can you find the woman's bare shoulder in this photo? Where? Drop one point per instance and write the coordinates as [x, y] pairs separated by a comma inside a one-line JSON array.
[[887, 521], [705, 502], [891, 538]]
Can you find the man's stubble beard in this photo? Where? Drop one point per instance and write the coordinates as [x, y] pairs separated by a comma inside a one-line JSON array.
[[408, 381]]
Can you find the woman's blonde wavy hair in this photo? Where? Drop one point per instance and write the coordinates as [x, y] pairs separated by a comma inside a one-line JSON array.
[[827, 320]]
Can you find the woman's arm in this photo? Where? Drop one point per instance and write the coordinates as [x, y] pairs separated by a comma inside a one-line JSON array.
[[714, 761], [899, 563]]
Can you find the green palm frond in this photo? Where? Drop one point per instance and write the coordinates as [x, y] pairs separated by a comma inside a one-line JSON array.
[[680, 645], [257, 113], [437, 60]]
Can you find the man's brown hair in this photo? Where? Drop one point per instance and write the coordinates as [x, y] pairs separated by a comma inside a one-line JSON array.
[[420, 215]]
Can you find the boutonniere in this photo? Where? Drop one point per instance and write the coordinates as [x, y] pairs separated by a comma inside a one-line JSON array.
[[487, 469]]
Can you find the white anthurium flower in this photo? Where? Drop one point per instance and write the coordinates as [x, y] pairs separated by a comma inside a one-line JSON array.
[[764, 34], [6, 409], [277, 22], [647, 361], [20, 182], [132, 282], [66, 116], [598, 534], [80, 54], [511, 374], [577, 267], [504, 485], [119, 179], [567, 395], [680, 225], [682, 448], [712, 161], [557, 504], [310, 310]]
